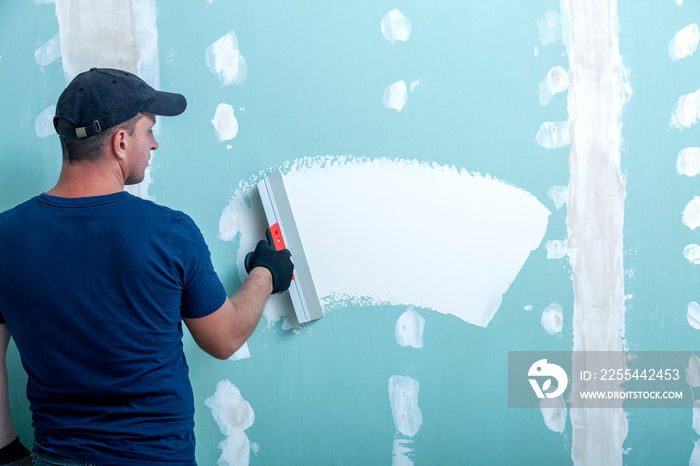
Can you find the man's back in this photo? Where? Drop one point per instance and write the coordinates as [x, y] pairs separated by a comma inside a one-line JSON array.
[[94, 290]]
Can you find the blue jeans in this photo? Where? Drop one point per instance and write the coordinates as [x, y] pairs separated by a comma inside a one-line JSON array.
[[50, 459]]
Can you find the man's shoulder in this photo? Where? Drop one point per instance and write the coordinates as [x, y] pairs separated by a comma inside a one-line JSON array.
[[19, 208], [156, 212], [155, 208]]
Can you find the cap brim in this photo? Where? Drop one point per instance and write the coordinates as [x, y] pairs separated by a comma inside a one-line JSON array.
[[166, 104]]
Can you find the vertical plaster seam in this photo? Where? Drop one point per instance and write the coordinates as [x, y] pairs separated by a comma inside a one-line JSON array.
[[596, 211]]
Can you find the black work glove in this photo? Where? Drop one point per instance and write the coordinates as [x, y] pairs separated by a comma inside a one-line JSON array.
[[14, 454], [277, 262]]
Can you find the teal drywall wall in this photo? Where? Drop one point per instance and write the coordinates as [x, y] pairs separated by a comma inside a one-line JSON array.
[[660, 281], [316, 75]]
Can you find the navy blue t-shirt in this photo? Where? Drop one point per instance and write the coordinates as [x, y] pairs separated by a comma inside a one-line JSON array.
[[93, 291]]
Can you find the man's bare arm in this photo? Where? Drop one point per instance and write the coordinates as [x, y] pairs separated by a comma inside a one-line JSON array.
[[221, 333]]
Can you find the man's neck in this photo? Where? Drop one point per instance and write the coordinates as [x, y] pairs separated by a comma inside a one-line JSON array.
[[86, 179]]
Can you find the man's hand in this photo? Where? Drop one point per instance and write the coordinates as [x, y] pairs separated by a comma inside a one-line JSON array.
[[277, 262]]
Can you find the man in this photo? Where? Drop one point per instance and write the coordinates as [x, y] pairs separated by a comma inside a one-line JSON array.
[[95, 284]]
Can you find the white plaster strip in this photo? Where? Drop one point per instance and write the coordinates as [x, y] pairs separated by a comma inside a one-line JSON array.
[[108, 34], [595, 210]]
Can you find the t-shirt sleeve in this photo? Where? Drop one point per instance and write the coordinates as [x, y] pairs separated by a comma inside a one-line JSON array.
[[202, 290]]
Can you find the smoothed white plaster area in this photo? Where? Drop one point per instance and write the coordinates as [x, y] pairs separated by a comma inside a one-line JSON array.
[[225, 122], [554, 413], [696, 416], [234, 415], [400, 232], [552, 318], [684, 43], [557, 81], [691, 213], [553, 134], [692, 253], [694, 315], [550, 27], [395, 26], [43, 125], [559, 195], [686, 111], [598, 89], [688, 162], [695, 455], [556, 249], [403, 396], [105, 34], [49, 51], [401, 452], [224, 59], [395, 96], [409, 329]]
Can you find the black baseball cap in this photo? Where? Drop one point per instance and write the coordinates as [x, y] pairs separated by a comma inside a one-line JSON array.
[[103, 97]]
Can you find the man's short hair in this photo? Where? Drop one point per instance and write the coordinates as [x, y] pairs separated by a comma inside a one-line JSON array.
[[90, 148]]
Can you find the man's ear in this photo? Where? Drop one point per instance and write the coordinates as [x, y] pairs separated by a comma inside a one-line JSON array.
[[119, 143]]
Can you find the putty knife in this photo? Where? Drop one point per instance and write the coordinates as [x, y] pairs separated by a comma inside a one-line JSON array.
[[285, 234]]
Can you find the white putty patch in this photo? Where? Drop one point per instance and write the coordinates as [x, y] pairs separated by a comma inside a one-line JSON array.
[[694, 315], [696, 416], [43, 125], [684, 43], [688, 162], [401, 452], [49, 51], [403, 395], [409, 329], [395, 26], [225, 123], [559, 195], [685, 114], [691, 213], [234, 415], [553, 134], [528, 307], [695, 455], [225, 60], [557, 81], [356, 202], [554, 413], [550, 27], [552, 318], [413, 85], [556, 249], [692, 253], [395, 95]]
